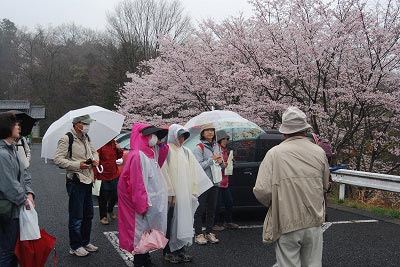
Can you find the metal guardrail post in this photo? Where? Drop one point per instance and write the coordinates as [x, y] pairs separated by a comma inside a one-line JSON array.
[[341, 191]]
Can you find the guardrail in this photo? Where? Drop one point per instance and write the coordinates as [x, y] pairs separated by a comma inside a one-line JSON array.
[[365, 179]]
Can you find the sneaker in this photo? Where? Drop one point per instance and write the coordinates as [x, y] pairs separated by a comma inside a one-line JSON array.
[[231, 225], [104, 221], [218, 228], [211, 238], [200, 239], [80, 252], [172, 258], [112, 215], [91, 248]]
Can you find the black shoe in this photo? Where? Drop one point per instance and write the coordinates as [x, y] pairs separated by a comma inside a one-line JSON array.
[[172, 258], [185, 257]]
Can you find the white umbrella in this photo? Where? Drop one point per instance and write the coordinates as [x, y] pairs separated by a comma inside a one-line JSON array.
[[231, 122], [107, 125]]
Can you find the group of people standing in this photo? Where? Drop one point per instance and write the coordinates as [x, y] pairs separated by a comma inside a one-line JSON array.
[[168, 188]]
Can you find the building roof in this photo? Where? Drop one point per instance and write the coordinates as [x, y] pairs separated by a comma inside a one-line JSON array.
[[35, 111], [14, 104]]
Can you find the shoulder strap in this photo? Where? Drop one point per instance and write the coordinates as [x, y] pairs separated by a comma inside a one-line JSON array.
[[201, 145], [70, 141], [23, 144]]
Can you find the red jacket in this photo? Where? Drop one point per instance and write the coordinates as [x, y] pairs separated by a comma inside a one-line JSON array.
[[108, 154]]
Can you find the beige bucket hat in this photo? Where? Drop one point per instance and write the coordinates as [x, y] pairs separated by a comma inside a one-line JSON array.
[[293, 121]]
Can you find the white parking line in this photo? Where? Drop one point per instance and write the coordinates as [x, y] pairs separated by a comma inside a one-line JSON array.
[[128, 257], [125, 255]]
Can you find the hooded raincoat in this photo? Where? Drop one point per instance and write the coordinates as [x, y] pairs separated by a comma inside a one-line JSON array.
[[142, 193], [188, 180]]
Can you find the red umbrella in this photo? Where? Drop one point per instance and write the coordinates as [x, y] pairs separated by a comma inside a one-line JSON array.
[[34, 253]]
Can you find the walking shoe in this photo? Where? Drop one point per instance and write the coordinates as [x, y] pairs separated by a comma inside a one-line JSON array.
[[218, 228], [172, 258], [112, 215], [104, 221], [200, 239], [185, 257], [231, 225], [80, 252], [91, 248], [211, 238]]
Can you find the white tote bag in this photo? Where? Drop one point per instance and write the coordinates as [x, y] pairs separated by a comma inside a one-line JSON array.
[[216, 172], [96, 188], [229, 169], [28, 223]]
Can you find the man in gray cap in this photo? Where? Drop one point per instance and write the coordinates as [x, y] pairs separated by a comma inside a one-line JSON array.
[[77, 155], [291, 181]]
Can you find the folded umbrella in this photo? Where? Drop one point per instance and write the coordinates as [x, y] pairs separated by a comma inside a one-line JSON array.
[[150, 241], [34, 253]]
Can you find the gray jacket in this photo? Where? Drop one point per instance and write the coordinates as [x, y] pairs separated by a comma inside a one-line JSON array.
[[205, 158], [10, 169]]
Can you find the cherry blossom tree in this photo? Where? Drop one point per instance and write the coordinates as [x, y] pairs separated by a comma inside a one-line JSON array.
[[339, 62]]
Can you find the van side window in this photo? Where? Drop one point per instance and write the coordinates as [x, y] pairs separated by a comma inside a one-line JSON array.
[[243, 150]]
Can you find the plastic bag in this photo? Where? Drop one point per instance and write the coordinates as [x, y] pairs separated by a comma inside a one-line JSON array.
[[28, 223], [96, 188], [216, 173]]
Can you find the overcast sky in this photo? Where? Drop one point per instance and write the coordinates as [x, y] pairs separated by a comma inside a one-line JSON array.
[[92, 13]]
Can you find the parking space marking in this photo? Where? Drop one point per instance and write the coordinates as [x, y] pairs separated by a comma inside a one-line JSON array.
[[125, 255]]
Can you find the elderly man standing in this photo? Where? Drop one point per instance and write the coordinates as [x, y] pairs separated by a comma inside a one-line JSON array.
[[77, 155], [291, 181]]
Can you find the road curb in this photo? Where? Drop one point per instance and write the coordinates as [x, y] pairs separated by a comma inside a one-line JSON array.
[[364, 213]]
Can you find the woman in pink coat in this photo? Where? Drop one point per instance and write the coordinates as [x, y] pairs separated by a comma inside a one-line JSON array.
[[142, 192]]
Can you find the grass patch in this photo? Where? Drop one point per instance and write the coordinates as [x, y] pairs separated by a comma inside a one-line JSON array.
[[363, 206]]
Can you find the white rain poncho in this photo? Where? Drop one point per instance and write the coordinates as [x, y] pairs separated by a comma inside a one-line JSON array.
[[188, 180], [156, 215]]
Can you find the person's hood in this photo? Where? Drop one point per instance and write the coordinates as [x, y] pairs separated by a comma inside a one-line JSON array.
[[3, 144], [176, 130], [139, 141]]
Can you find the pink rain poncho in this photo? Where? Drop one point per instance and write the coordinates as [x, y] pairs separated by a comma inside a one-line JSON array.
[[141, 190]]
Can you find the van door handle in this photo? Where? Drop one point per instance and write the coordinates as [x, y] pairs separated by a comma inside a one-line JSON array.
[[248, 172]]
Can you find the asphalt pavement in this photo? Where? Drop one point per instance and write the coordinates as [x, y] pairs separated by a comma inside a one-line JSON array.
[[349, 239]]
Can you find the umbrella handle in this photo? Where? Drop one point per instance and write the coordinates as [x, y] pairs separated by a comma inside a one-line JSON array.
[[101, 169]]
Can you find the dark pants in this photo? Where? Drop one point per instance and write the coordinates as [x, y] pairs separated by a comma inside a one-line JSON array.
[[141, 260], [207, 204], [169, 226], [8, 238], [80, 213], [108, 197], [225, 202]]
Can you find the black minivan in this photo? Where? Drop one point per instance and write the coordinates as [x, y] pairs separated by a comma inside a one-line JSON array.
[[248, 155]]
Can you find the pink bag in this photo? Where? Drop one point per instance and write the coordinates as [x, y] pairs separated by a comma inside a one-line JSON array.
[[150, 241]]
